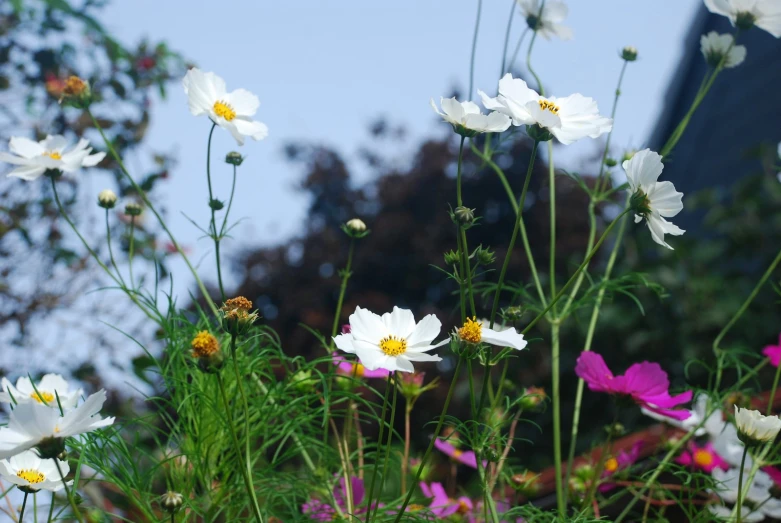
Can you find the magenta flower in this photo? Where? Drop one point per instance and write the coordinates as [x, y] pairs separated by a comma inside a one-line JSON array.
[[465, 457], [773, 353], [348, 368], [443, 505], [619, 462], [646, 383], [320, 511], [702, 457], [774, 473]]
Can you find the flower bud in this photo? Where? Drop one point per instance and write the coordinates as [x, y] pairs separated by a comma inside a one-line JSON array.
[[514, 313], [629, 53], [302, 381], [237, 315], [532, 398], [133, 209], [464, 216], [484, 256], [611, 162], [76, 92], [234, 158], [527, 483], [355, 228], [107, 199], [216, 205], [628, 155], [171, 501], [539, 133], [615, 430], [451, 258]]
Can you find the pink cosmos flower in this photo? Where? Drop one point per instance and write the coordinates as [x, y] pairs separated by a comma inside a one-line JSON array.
[[442, 505], [618, 463], [702, 457], [348, 368], [646, 383], [320, 511], [773, 353], [465, 457], [774, 474]]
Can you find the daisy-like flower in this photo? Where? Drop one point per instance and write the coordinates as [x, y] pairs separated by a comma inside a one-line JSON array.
[[36, 425], [702, 457], [45, 392], [773, 353], [568, 119], [715, 47], [207, 94], [467, 119], [765, 14], [621, 461], [31, 473], [347, 368], [758, 492], [755, 428], [645, 383], [465, 457], [35, 158], [546, 23], [474, 331], [442, 505], [653, 200], [391, 341]]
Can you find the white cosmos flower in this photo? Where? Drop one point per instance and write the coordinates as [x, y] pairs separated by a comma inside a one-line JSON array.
[[30, 424], [765, 14], [206, 94], [723, 513], [714, 46], [727, 485], [391, 341], [548, 22], [756, 427], [653, 200], [474, 331], [467, 119], [696, 415], [48, 389], [568, 119], [29, 471], [35, 158]]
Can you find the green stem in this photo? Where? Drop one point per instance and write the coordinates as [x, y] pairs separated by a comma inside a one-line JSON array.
[[130, 252], [51, 509], [24, 504], [489, 508], [474, 48], [68, 492], [552, 198], [561, 501], [379, 441], [740, 484], [387, 449], [592, 233], [345, 277], [772, 397], [151, 207], [111, 250], [597, 187], [540, 88], [230, 204], [213, 225], [466, 267], [517, 50], [245, 471], [437, 430], [507, 36]]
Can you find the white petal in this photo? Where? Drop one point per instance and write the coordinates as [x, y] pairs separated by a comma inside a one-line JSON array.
[[399, 322], [453, 109], [367, 326], [665, 199], [25, 147], [344, 342], [243, 102], [506, 338], [55, 143], [93, 159], [644, 168], [425, 331], [251, 128]]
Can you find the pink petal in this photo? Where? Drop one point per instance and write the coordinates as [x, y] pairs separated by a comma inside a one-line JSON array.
[[592, 369]]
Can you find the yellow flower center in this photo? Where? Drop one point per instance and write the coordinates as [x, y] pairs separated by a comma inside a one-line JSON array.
[[358, 370], [457, 453], [54, 155], [42, 397], [393, 346], [703, 458], [547, 105], [224, 110], [204, 344], [472, 331], [611, 465], [31, 476], [463, 508]]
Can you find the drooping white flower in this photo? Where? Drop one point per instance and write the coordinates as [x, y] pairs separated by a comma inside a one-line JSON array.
[[715, 46], [651, 199], [31, 424], [474, 331], [765, 14], [207, 94], [755, 428], [48, 390], [30, 472], [35, 158], [547, 22], [467, 119], [391, 341], [568, 119]]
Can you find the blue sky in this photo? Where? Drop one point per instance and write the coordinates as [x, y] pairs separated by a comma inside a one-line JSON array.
[[324, 70]]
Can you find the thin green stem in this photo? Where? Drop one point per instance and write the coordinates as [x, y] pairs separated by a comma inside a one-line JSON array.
[[111, 251], [479, 462], [540, 88], [772, 397], [130, 251], [474, 48], [379, 441], [552, 206], [151, 207], [592, 233], [740, 484], [517, 50], [507, 36], [245, 471], [24, 504], [230, 204], [51, 509], [68, 492], [427, 454], [466, 267], [346, 273], [388, 443], [216, 237], [598, 185], [561, 501]]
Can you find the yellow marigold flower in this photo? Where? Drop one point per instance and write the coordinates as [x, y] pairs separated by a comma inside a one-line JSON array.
[[204, 345]]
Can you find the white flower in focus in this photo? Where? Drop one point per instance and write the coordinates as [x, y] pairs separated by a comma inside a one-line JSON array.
[[754, 428], [467, 119], [31, 424], [35, 158], [48, 390], [391, 341], [476, 332], [546, 23], [651, 199], [206, 94], [715, 46], [28, 471], [568, 119], [765, 14]]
